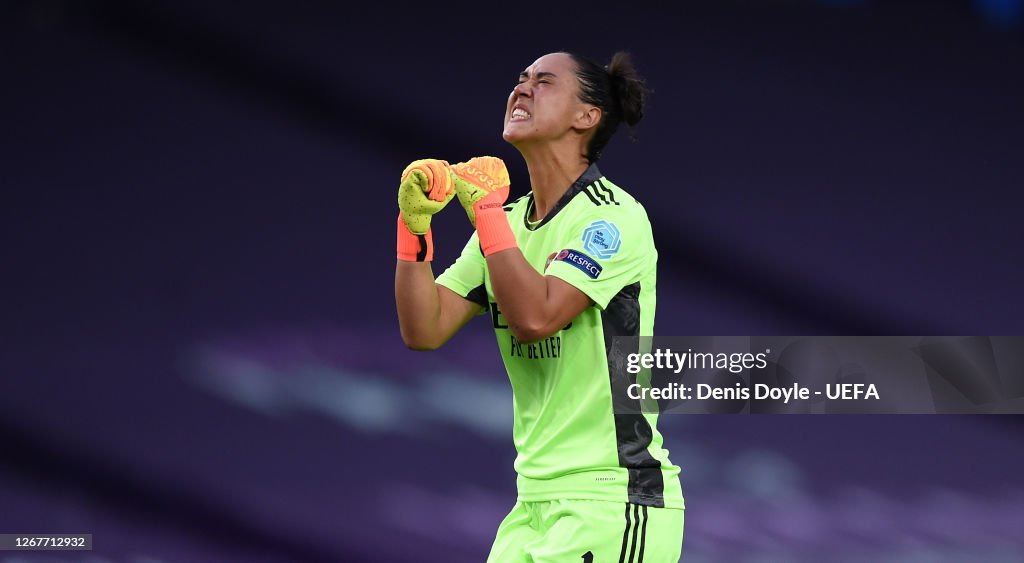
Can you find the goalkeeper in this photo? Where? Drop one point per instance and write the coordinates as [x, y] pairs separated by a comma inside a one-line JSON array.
[[561, 271]]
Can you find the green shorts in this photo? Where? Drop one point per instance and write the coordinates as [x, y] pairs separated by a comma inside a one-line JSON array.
[[588, 531]]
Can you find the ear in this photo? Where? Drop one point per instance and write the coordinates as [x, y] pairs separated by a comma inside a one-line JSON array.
[[587, 117]]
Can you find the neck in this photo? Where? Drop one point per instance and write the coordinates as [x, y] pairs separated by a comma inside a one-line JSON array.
[[553, 170]]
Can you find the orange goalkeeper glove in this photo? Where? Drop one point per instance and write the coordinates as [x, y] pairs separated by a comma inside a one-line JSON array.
[[482, 184], [425, 189]]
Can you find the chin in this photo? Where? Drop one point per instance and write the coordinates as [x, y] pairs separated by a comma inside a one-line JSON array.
[[513, 134]]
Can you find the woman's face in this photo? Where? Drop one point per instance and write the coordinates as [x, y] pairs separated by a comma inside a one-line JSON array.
[[545, 104]]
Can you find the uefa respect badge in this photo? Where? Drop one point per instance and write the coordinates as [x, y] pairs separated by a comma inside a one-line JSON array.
[[585, 263]]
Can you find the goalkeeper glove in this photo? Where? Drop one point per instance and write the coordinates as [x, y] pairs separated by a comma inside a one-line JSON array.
[[425, 189], [482, 184]]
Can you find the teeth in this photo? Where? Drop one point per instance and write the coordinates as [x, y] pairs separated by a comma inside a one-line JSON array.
[[520, 113]]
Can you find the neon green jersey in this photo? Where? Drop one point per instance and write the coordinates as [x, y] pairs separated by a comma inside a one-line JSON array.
[[570, 442]]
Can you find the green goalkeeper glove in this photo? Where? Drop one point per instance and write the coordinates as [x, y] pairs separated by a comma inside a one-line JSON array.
[[483, 184], [425, 189]]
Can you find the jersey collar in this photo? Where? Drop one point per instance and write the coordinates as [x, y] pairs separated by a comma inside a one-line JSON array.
[[590, 175]]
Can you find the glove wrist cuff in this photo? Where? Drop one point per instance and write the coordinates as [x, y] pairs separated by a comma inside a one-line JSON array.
[[413, 247], [493, 229]]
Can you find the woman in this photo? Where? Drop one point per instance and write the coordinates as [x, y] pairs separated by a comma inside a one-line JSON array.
[[561, 271]]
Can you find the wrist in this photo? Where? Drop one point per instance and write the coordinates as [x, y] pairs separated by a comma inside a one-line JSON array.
[[412, 247], [493, 229]]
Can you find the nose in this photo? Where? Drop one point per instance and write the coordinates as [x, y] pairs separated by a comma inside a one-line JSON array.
[[522, 89]]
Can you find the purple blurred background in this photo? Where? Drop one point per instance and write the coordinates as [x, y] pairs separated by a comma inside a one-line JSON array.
[[201, 360]]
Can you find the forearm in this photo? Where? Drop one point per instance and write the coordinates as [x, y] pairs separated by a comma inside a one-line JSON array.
[[534, 306], [418, 304], [522, 295]]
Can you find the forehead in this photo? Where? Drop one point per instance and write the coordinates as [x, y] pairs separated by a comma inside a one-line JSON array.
[[557, 63]]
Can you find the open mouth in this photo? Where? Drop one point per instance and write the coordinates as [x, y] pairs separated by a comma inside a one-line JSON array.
[[520, 114]]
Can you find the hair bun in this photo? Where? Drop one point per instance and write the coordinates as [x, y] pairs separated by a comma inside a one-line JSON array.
[[628, 87], [617, 89]]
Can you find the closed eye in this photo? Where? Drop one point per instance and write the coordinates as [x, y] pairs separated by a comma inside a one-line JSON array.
[[542, 77]]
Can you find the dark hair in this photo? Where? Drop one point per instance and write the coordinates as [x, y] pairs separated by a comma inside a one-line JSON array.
[[617, 89]]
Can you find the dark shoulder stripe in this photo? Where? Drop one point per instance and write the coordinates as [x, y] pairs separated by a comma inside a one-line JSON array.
[[608, 191], [593, 188], [591, 196]]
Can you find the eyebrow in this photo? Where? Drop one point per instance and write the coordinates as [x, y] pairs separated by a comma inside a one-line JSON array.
[[542, 74]]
